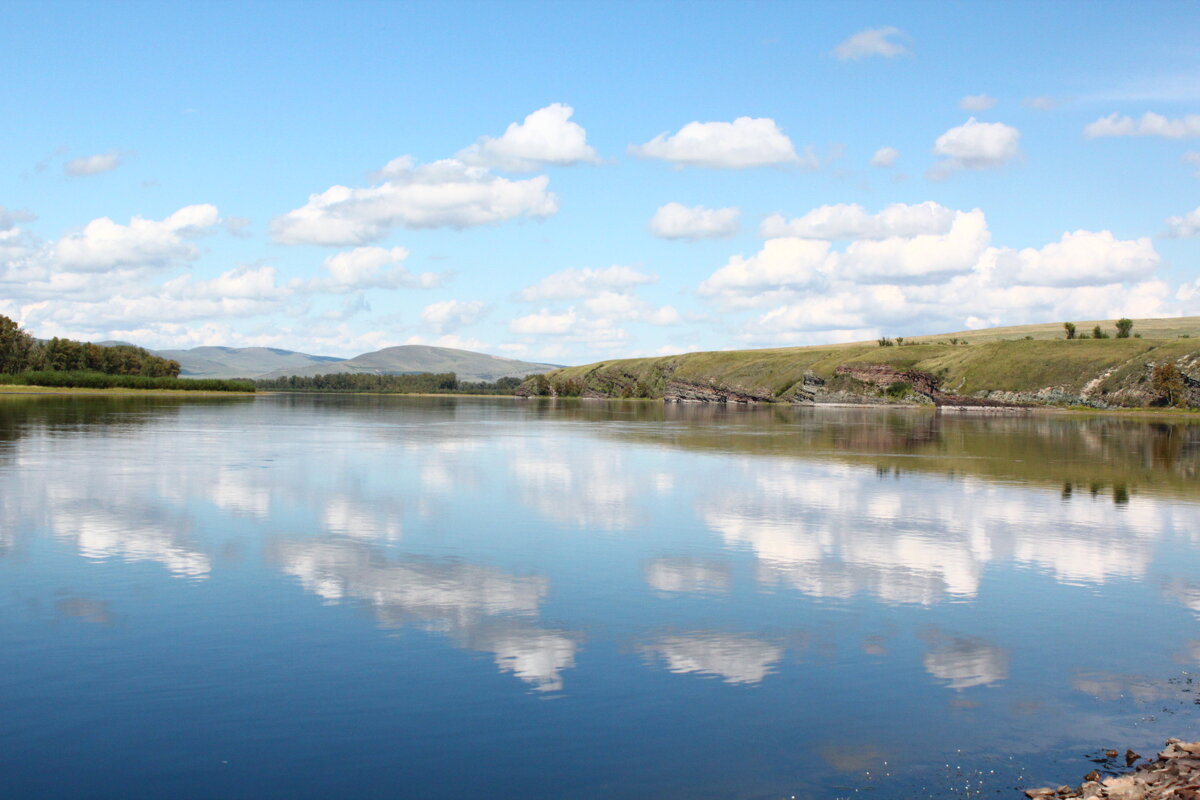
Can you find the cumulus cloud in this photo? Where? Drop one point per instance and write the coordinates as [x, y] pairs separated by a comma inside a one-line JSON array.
[[852, 221], [545, 322], [105, 245], [1087, 258], [1150, 124], [93, 165], [977, 102], [919, 258], [782, 263], [885, 157], [450, 315], [547, 136], [945, 280], [975, 145], [677, 221], [871, 42], [745, 142], [569, 284], [444, 194], [371, 268], [1184, 226]]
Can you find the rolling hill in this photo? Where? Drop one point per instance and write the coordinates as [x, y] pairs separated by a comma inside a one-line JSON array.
[[270, 362]]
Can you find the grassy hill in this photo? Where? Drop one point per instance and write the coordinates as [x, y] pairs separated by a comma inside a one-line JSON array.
[[241, 362], [410, 358], [1026, 364]]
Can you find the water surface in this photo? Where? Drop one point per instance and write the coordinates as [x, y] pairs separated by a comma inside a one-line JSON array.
[[316, 596]]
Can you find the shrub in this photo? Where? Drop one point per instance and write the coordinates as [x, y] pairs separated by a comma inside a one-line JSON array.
[[1124, 326], [885, 342], [1167, 382], [1098, 333], [898, 389], [100, 380], [1069, 327]]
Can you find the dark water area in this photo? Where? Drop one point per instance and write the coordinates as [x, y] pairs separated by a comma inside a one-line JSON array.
[[320, 596]]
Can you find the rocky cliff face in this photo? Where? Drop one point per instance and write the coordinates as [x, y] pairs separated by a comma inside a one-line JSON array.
[[1099, 377]]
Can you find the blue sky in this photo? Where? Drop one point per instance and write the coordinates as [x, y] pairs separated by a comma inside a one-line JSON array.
[[581, 181]]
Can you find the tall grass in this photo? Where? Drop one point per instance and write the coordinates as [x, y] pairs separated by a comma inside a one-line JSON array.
[[100, 380]]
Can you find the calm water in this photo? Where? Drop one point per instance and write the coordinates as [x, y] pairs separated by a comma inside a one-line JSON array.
[[438, 598]]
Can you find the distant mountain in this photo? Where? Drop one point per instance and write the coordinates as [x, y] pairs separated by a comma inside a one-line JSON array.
[[245, 362], [409, 358], [271, 362]]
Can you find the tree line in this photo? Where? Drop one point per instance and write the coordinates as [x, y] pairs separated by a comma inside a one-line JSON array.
[[20, 352], [410, 383]]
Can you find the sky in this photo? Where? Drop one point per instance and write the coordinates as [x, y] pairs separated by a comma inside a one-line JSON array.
[[574, 182]]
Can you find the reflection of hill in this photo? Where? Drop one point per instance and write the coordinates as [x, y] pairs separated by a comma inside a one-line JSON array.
[[1111, 455]]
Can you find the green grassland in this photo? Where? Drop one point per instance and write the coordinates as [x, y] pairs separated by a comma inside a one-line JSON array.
[[1025, 359]]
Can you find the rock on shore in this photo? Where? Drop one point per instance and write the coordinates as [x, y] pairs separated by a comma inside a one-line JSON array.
[[1173, 775]]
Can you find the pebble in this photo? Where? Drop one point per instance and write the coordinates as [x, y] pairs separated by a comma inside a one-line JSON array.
[[1173, 775]]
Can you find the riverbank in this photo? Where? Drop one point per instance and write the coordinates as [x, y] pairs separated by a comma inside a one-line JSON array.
[[1173, 775], [1089, 373], [18, 390]]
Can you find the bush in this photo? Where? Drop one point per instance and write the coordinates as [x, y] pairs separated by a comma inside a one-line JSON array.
[[1124, 326], [898, 389], [99, 380], [1098, 333], [886, 342], [1167, 382], [1069, 327]]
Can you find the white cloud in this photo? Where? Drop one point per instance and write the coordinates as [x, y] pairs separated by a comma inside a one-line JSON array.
[[1185, 226], [977, 102], [782, 263], [1150, 124], [677, 221], [1087, 258], [450, 315], [618, 306], [975, 145], [885, 157], [547, 136], [920, 258], [444, 194], [745, 142], [104, 245], [573, 283], [371, 268], [545, 322], [871, 42], [851, 221], [93, 165]]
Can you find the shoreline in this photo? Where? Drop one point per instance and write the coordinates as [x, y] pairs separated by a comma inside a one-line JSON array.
[[1083, 411]]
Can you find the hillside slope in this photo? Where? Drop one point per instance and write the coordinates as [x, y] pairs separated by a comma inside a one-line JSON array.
[[241, 362], [992, 370], [409, 358]]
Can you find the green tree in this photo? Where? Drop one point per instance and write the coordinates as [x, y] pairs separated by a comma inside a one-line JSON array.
[[1069, 327], [16, 347], [1167, 382], [1124, 326], [1098, 333]]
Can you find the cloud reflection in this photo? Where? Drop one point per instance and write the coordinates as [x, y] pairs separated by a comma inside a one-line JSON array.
[[735, 658], [481, 608]]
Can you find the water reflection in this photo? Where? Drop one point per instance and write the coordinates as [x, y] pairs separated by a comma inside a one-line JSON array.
[[684, 574], [962, 661], [834, 531], [735, 658], [480, 608], [919, 553]]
